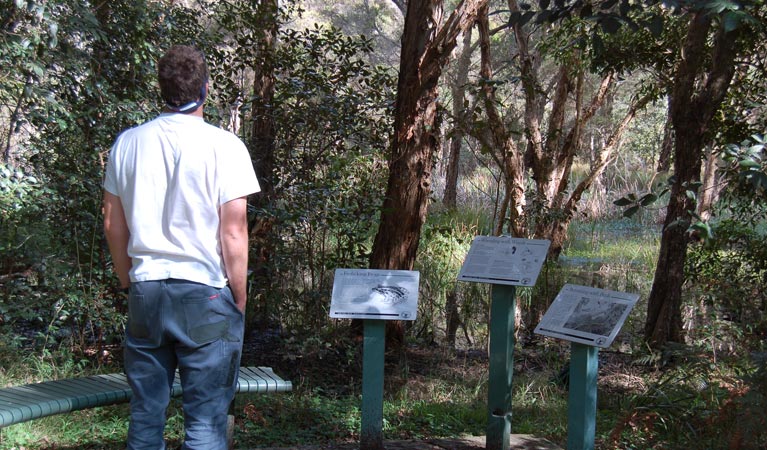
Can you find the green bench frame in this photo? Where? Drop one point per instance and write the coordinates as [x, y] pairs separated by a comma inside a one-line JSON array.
[[33, 401]]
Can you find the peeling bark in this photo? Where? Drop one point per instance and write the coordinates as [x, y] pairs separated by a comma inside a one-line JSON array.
[[426, 50], [603, 159]]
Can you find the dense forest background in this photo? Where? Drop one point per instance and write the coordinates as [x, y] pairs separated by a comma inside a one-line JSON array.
[[387, 134]]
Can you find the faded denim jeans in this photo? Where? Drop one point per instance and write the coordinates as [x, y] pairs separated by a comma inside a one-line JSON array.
[[197, 329]]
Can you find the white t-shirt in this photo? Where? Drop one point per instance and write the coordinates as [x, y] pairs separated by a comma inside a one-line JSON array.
[[172, 174]]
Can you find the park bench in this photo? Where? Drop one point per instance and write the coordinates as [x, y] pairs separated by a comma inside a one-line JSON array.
[[33, 401]]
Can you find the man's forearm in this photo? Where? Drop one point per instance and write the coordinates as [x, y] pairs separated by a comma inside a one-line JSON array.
[[237, 274], [118, 235], [234, 248]]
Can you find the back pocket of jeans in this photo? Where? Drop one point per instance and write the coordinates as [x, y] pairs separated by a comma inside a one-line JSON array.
[[138, 317], [205, 322], [209, 332]]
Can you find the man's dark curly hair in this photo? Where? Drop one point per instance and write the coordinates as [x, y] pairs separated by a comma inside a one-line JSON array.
[[182, 72]]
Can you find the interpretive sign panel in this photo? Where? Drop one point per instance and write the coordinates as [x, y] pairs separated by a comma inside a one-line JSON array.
[[504, 260], [374, 294], [587, 315]]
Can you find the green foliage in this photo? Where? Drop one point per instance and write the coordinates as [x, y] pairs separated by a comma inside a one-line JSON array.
[[332, 115], [628, 48], [635, 202], [22, 205], [331, 118], [539, 408], [728, 272], [726, 277], [422, 419], [445, 240], [714, 405], [746, 169], [77, 75], [73, 74]]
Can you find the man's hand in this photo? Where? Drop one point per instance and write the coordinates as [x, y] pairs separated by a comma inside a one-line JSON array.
[[120, 296]]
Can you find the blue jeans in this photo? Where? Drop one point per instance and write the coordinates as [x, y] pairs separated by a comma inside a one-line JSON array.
[[197, 329]]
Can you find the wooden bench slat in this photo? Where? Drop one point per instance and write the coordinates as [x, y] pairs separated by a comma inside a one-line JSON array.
[[33, 401]]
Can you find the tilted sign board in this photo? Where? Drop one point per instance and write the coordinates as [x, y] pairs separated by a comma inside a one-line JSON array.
[[374, 294], [587, 315], [504, 260]]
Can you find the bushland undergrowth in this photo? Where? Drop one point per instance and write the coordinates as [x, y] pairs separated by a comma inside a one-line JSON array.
[[685, 397]]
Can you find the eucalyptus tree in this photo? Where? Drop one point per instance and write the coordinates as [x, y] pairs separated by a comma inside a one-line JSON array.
[[535, 134], [717, 35], [500, 139], [458, 86], [427, 43], [696, 62], [545, 134]]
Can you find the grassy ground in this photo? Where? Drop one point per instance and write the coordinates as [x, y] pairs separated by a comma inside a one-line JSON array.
[[678, 399]]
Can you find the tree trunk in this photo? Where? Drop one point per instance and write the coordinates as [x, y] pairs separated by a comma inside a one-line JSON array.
[[709, 189], [453, 318], [544, 150], [697, 93], [426, 50], [449, 199], [458, 90], [262, 146], [500, 140], [667, 146]]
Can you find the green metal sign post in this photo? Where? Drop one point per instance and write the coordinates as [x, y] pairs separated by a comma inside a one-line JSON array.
[[501, 367], [503, 262], [582, 401], [373, 385], [374, 295], [590, 318]]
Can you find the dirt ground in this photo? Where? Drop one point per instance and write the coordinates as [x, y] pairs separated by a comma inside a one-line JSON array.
[[335, 371], [517, 442]]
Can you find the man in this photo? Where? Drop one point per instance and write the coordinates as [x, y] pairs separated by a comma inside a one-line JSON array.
[[175, 218]]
